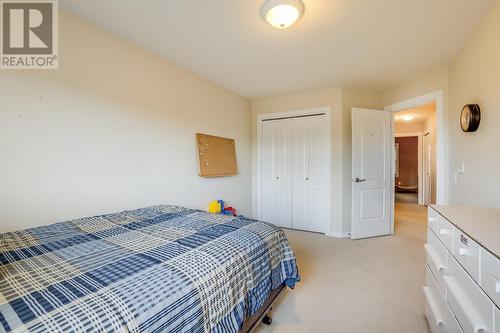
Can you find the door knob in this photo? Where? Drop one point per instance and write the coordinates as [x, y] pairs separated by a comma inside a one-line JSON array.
[[357, 180]]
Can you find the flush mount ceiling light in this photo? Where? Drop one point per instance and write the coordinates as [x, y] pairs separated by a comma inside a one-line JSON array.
[[408, 118], [282, 14]]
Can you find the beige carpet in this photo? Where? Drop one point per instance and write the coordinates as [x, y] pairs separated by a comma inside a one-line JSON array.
[[371, 285]]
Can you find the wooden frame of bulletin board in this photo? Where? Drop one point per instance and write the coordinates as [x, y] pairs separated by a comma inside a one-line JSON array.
[[216, 156]]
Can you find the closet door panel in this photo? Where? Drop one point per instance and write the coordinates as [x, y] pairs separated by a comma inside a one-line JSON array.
[[300, 170], [276, 167], [317, 173], [308, 194]]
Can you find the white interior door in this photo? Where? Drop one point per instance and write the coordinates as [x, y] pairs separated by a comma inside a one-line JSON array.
[[276, 172], [427, 169], [371, 173], [309, 173]]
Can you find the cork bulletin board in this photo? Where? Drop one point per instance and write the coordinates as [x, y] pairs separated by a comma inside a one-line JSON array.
[[216, 156]]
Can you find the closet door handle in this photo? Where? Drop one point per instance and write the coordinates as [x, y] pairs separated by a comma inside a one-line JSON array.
[[307, 178], [357, 180]]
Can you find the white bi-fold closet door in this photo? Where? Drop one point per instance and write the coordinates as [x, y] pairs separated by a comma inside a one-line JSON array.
[[277, 172], [294, 167]]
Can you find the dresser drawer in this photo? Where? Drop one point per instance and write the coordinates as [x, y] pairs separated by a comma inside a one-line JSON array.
[[436, 258], [437, 312], [432, 218], [445, 232], [490, 276], [466, 251], [471, 306]]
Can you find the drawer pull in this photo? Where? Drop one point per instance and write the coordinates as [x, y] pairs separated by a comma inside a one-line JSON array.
[[432, 305], [462, 301], [478, 329], [497, 284], [432, 255], [444, 231], [462, 251]]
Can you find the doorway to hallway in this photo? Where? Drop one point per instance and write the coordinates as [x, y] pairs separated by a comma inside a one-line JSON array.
[[415, 154]]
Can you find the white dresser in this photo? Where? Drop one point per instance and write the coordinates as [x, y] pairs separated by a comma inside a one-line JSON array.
[[462, 287]]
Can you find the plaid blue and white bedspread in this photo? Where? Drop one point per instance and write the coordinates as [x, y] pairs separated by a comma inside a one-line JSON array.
[[157, 269]]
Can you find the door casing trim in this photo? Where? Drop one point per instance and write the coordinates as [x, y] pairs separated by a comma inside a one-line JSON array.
[[442, 161]]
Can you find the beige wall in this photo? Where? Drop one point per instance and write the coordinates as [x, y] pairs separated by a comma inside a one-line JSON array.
[[475, 78], [340, 100], [409, 126], [112, 129], [429, 82]]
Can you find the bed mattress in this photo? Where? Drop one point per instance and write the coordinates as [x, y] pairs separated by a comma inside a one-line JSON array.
[[157, 269]]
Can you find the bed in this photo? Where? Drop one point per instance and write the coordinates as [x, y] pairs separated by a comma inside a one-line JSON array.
[[406, 188], [156, 269]]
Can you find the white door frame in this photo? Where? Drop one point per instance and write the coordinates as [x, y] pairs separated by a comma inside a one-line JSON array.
[[424, 152], [288, 114], [441, 142], [420, 168]]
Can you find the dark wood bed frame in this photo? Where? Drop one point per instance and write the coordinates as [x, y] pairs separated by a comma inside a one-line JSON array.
[[262, 315]]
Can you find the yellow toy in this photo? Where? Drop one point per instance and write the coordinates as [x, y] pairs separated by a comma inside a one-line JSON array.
[[214, 207]]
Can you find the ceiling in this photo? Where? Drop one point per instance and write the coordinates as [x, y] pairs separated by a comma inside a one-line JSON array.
[[421, 113], [369, 43]]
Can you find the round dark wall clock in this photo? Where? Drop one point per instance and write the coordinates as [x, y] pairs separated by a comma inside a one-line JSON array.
[[470, 117]]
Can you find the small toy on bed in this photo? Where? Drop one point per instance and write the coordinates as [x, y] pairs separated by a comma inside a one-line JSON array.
[[229, 211], [216, 207]]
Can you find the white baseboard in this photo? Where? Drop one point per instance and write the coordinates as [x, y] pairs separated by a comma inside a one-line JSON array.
[[338, 234]]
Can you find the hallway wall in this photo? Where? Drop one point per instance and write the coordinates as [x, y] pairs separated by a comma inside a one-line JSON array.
[[408, 161]]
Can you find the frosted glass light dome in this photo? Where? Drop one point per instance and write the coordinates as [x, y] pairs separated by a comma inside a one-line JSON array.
[[282, 14]]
